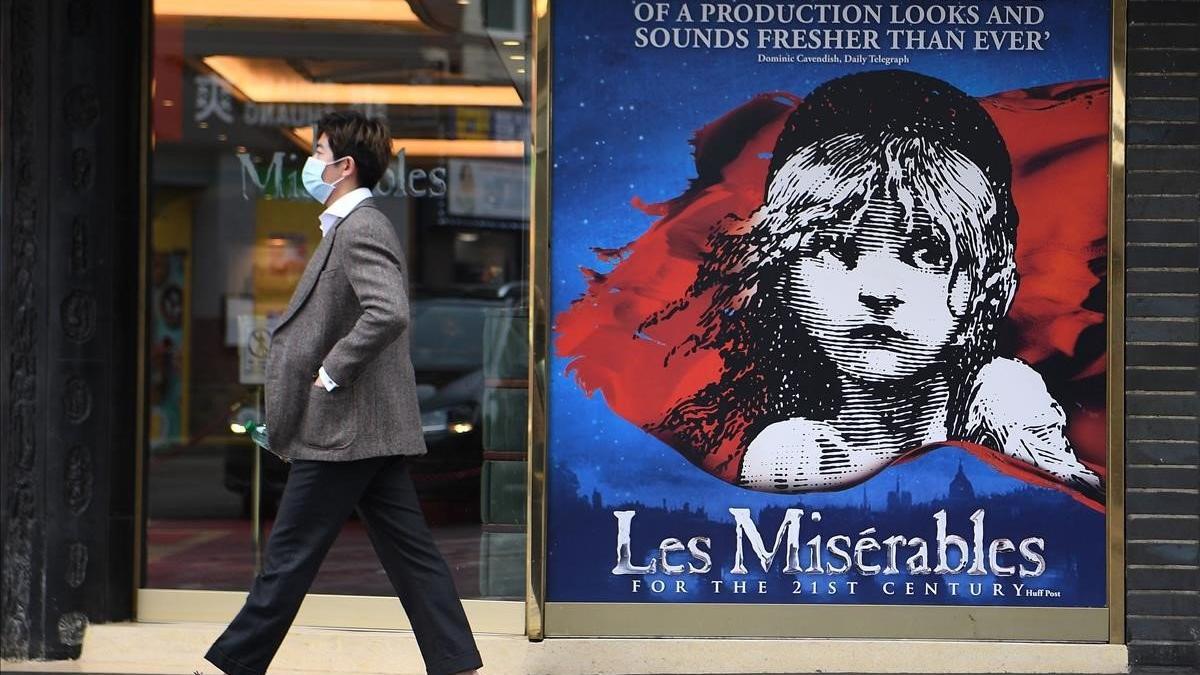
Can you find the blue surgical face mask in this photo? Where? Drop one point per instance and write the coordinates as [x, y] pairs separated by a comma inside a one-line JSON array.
[[312, 174]]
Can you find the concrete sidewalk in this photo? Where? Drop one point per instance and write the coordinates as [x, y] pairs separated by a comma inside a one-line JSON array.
[[153, 649]]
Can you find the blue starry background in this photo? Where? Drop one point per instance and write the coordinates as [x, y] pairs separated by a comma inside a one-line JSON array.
[[622, 121]]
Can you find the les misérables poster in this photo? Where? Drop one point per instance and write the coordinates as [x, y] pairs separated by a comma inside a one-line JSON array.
[[828, 302]]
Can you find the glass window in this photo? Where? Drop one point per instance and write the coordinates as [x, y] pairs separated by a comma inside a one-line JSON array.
[[236, 91]]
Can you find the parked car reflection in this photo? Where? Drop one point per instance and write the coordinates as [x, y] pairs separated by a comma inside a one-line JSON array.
[[447, 355]]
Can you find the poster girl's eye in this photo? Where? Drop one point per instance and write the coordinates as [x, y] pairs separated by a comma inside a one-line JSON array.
[[837, 245], [927, 252]]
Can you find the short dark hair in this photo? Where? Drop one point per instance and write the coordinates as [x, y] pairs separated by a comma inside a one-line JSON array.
[[900, 103], [366, 139]]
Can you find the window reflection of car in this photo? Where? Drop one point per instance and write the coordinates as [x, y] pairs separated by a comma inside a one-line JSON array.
[[447, 355]]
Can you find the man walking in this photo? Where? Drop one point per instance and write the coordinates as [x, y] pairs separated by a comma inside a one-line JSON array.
[[341, 406]]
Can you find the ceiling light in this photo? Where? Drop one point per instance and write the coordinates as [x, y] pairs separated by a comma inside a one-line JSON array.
[[388, 11], [457, 147], [517, 57], [442, 147], [511, 43], [274, 81]]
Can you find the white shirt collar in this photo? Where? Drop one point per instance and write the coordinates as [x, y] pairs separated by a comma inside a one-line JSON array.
[[340, 208]]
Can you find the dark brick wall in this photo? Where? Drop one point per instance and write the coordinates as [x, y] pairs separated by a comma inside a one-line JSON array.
[[1162, 450]]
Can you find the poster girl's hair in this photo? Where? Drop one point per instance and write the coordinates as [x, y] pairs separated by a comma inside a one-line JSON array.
[[886, 135]]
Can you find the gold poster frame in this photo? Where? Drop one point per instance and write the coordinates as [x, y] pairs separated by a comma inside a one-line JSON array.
[[1067, 624]]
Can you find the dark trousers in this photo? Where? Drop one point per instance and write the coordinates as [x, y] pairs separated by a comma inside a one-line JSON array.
[[317, 500]]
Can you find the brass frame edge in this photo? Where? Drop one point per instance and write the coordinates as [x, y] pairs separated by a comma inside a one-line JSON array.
[[834, 622], [1115, 508], [539, 327], [536, 606], [144, 150]]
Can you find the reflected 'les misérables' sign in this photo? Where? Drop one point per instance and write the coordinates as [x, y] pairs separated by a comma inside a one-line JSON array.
[[829, 303]]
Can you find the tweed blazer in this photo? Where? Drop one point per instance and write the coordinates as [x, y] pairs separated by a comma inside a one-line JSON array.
[[350, 314]]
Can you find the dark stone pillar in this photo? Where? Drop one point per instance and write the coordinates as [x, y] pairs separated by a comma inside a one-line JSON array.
[[70, 116]]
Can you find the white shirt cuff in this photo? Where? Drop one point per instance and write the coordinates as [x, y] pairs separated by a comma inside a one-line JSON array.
[[326, 379]]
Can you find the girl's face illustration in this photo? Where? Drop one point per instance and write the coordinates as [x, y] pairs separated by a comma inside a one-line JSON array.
[[875, 294]]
